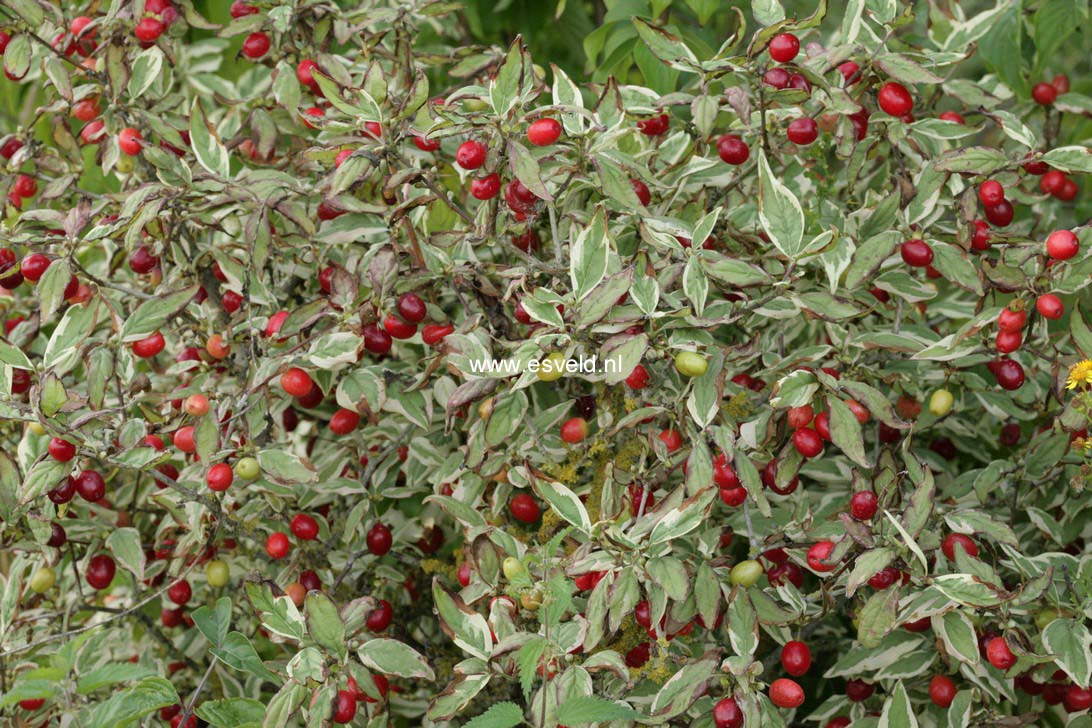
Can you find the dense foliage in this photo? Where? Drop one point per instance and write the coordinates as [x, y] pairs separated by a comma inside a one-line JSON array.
[[823, 270]]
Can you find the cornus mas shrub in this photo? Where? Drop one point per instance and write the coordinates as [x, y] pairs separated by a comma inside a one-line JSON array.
[[831, 468]]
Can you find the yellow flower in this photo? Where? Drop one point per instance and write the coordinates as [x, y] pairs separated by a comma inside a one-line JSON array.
[[1080, 373]]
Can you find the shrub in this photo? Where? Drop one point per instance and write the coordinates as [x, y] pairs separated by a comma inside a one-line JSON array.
[[823, 458]]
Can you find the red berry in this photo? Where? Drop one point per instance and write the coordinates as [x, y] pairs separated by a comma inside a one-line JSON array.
[[1077, 699], [379, 539], [942, 690], [240, 9], [952, 116], [807, 442], [470, 155], [991, 193], [398, 328], [1009, 374], [1050, 306], [779, 78], [574, 430], [256, 45], [544, 132], [916, 253], [727, 714], [129, 141], [785, 693], [1044, 94], [803, 131], [980, 239], [818, 553], [732, 149], [999, 654], [425, 144], [432, 334], [641, 190], [305, 74], [895, 100], [219, 477], [965, 542], [784, 47], [519, 198], [277, 545], [61, 450], [851, 72], [180, 592], [149, 29], [150, 346], [655, 125], [486, 188], [795, 658], [90, 485], [801, 416], [638, 378], [412, 308], [25, 186], [524, 508], [377, 340], [296, 382], [344, 421], [380, 618], [672, 439], [1009, 341], [1000, 214], [1061, 245], [346, 707], [859, 690], [884, 578], [863, 505], [1012, 320], [34, 266], [100, 571]]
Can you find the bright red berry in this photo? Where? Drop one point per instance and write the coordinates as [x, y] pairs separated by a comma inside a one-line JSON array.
[[379, 539], [1050, 306], [524, 508], [485, 188], [277, 545], [1044, 94], [129, 141], [784, 47], [574, 430], [948, 546], [296, 382], [807, 442], [916, 253], [655, 125], [732, 149], [1061, 245], [470, 155], [544, 132], [895, 100], [942, 690], [863, 505], [795, 658], [803, 131], [991, 193], [785, 693], [727, 714], [219, 477], [256, 45], [818, 553], [999, 654]]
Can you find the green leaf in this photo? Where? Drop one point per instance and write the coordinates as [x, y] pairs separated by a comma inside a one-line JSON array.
[[506, 418], [1002, 50], [51, 287], [958, 633], [670, 573], [284, 467], [1070, 159], [1068, 640], [565, 503], [214, 623], [897, 710], [868, 565], [464, 626], [590, 709], [391, 657], [500, 715], [232, 712], [125, 708], [239, 654], [324, 623], [513, 74], [975, 160], [588, 256], [845, 432], [526, 168], [877, 617], [111, 674], [207, 147], [125, 544], [151, 315], [667, 47], [779, 211], [528, 659]]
